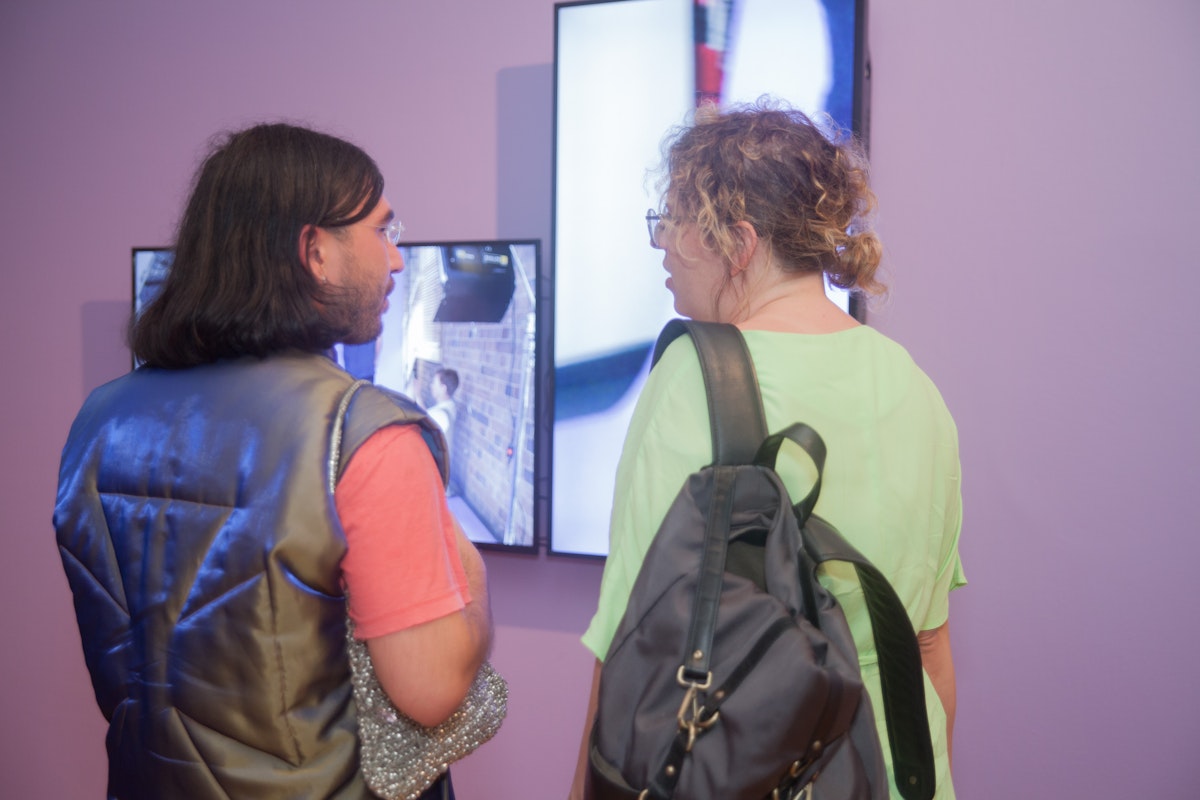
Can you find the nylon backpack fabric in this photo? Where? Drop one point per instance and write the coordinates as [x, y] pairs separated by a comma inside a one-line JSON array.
[[733, 673]]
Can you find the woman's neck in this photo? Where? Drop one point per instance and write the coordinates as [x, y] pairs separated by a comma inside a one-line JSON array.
[[792, 303]]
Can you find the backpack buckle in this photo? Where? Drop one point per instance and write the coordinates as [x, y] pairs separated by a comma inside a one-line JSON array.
[[691, 715]]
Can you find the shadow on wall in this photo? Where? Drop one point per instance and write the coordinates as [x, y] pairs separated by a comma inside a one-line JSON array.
[[525, 158], [103, 326], [524, 184]]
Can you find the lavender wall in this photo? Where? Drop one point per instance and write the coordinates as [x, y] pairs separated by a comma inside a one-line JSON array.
[[1036, 168]]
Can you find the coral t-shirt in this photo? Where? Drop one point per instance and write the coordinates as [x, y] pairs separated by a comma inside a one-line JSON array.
[[402, 566]]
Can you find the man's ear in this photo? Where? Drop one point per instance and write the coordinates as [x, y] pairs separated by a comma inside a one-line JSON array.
[[747, 239], [312, 255]]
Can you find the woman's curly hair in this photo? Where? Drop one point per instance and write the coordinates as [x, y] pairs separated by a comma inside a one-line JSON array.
[[804, 191]]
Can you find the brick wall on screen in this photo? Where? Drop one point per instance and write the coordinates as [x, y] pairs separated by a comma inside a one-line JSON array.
[[495, 365]]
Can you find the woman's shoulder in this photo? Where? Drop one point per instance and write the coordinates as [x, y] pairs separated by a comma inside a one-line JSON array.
[[858, 343], [860, 349], [674, 381], [857, 366]]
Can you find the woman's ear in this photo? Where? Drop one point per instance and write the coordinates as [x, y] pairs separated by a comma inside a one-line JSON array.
[[311, 254], [747, 239]]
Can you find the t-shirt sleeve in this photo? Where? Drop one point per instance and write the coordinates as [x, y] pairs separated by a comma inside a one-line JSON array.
[[668, 439], [401, 567], [949, 574]]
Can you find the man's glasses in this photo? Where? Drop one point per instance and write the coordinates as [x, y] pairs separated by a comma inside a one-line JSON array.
[[392, 231], [654, 222]]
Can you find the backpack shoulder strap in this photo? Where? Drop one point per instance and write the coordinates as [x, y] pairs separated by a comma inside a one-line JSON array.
[[900, 670], [735, 410], [737, 427]]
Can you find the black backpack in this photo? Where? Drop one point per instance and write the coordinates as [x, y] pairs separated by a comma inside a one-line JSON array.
[[733, 673]]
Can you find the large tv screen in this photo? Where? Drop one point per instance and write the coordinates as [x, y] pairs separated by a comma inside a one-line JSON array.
[[459, 338], [626, 72]]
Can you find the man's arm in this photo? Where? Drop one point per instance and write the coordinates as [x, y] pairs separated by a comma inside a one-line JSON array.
[[938, 663], [427, 669]]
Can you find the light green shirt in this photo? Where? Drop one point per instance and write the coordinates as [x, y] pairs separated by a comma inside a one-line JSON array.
[[891, 484]]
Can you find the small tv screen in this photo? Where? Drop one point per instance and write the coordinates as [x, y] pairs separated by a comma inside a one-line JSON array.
[[459, 338], [469, 310], [150, 267], [626, 73]]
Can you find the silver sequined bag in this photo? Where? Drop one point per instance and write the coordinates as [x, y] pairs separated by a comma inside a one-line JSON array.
[[399, 758]]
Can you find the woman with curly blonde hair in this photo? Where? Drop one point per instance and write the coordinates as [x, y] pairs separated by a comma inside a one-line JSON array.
[[761, 209]]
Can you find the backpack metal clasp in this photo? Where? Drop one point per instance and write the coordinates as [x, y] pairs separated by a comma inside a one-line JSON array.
[[691, 715]]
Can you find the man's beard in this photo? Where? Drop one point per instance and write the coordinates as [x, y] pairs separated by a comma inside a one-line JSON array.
[[354, 317]]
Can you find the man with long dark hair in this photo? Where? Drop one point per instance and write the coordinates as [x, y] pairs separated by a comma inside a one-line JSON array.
[[209, 562]]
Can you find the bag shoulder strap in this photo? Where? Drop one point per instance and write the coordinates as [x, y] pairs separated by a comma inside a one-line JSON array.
[[384, 404], [729, 380], [333, 468], [901, 675], [735, 410]]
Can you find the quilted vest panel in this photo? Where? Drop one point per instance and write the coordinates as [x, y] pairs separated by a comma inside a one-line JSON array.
[[203, 552]]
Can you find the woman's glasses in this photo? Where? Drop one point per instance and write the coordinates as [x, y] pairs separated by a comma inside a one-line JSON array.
[[654, 224]]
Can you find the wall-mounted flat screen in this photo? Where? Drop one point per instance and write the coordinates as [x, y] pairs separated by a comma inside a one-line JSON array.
[[150, 267], [626, 72], [459, 337]]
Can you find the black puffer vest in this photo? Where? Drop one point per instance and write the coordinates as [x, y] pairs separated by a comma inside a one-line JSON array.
[[203, 551]]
